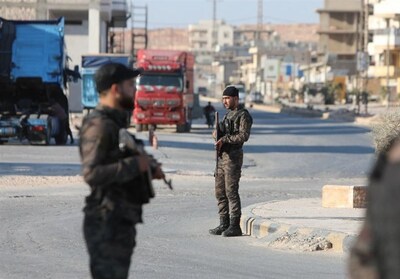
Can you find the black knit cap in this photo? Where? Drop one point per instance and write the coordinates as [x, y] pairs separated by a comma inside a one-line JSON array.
[[113, 73], [231, 91]]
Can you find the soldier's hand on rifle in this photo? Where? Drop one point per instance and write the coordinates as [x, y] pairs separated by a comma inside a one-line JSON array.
[[158, 173], [144, 162], [218, 144], [214, 134]]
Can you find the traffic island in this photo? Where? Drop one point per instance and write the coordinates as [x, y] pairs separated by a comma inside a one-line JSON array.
[[302, 225]]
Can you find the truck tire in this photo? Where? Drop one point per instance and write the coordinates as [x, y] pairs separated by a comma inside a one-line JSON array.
[[153, 127], [188, 127], [139, 128], [62, 137], [48, 132], [181, 128], [184, 128]]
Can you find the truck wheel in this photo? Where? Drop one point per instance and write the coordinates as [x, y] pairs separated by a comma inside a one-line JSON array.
[[188, 127], [139, 128], [181, 128], [62, 137], [184, 128], [48, 132], [153, 127]]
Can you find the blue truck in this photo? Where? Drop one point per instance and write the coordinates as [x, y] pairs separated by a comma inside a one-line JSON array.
[[34, 75], [90, 63]]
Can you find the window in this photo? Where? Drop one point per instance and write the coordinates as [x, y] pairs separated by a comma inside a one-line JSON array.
[[162, 80]]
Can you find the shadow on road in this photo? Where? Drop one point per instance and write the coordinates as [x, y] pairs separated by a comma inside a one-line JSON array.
[[248, 149], [308, 130], [346, 149], [40, 169]]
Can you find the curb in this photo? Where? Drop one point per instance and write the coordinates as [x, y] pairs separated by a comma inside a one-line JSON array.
[[269, 231], [360, 121], [302, 112]]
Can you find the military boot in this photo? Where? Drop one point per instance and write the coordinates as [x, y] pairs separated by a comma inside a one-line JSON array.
[[234, 228], [223, 225]]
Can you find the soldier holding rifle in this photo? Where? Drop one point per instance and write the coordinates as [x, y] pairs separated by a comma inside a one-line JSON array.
[[230, 134], [118, 176]]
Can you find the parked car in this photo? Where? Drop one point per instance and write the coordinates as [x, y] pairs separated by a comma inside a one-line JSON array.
[[255, 98], [242, 94], [202, 91]]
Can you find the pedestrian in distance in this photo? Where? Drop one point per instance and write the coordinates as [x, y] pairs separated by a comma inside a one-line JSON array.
[[209, 112], [376, 252], [230, 135], [118, 181]]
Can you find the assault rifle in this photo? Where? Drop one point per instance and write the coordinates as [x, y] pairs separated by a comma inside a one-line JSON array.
[[217, 137], [128, 143]]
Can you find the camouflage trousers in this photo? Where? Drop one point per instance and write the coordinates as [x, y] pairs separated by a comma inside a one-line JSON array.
[[110, 240], [227, 179]]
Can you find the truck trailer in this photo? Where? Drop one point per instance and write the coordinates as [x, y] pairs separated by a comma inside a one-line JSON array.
[[33, 81]]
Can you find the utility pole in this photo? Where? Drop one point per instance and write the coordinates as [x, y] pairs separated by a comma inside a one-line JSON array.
[[260, 18], [388, 63], [364, 52], [360, 53], [214, 38]]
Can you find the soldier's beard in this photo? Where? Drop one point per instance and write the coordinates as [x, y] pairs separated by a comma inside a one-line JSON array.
[[126, 103]]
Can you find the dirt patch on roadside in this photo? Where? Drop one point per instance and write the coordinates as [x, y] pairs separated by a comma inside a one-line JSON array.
[[299, 242], [23, 180]]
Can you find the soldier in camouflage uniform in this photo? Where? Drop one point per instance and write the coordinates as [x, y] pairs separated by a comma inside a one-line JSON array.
[[118, 187], [234, 131], [376, 252]]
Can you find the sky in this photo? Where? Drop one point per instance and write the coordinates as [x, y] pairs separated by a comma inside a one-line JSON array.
[[181, 13]]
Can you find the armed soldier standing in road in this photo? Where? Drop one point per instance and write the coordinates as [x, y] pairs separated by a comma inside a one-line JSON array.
[[118, 186], [234, 131]]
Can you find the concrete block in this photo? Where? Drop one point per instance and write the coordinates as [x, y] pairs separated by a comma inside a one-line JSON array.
[[342, 196]]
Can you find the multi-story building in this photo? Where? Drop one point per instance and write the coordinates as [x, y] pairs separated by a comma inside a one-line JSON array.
[[86, 25], [203, 41], [340, 36], [204, 38], [384, 50]]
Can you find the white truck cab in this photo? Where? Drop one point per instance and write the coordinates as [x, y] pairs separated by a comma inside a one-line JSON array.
[[242, 94]]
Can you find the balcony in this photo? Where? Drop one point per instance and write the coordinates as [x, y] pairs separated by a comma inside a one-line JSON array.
[[77, 4], [335, 30], [114, 11], [381, 71], [388, 9], [341, 6], [381, 39], [119, 13]]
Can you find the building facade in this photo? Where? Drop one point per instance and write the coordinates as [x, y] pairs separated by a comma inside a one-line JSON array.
[[340, 36], [384, 48]]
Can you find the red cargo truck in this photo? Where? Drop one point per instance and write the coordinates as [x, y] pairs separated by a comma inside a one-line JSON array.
[[165, 90]]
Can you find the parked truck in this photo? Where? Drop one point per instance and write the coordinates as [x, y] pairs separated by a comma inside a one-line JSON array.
[[33, 81], [90, 64], [165, 92]]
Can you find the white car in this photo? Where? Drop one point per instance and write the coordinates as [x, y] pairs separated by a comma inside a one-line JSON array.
[[242, 94]]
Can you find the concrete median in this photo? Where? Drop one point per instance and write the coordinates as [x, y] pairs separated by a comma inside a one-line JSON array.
[[302, 224]]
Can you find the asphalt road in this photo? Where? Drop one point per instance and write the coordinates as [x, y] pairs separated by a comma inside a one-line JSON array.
[[41, 196]]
